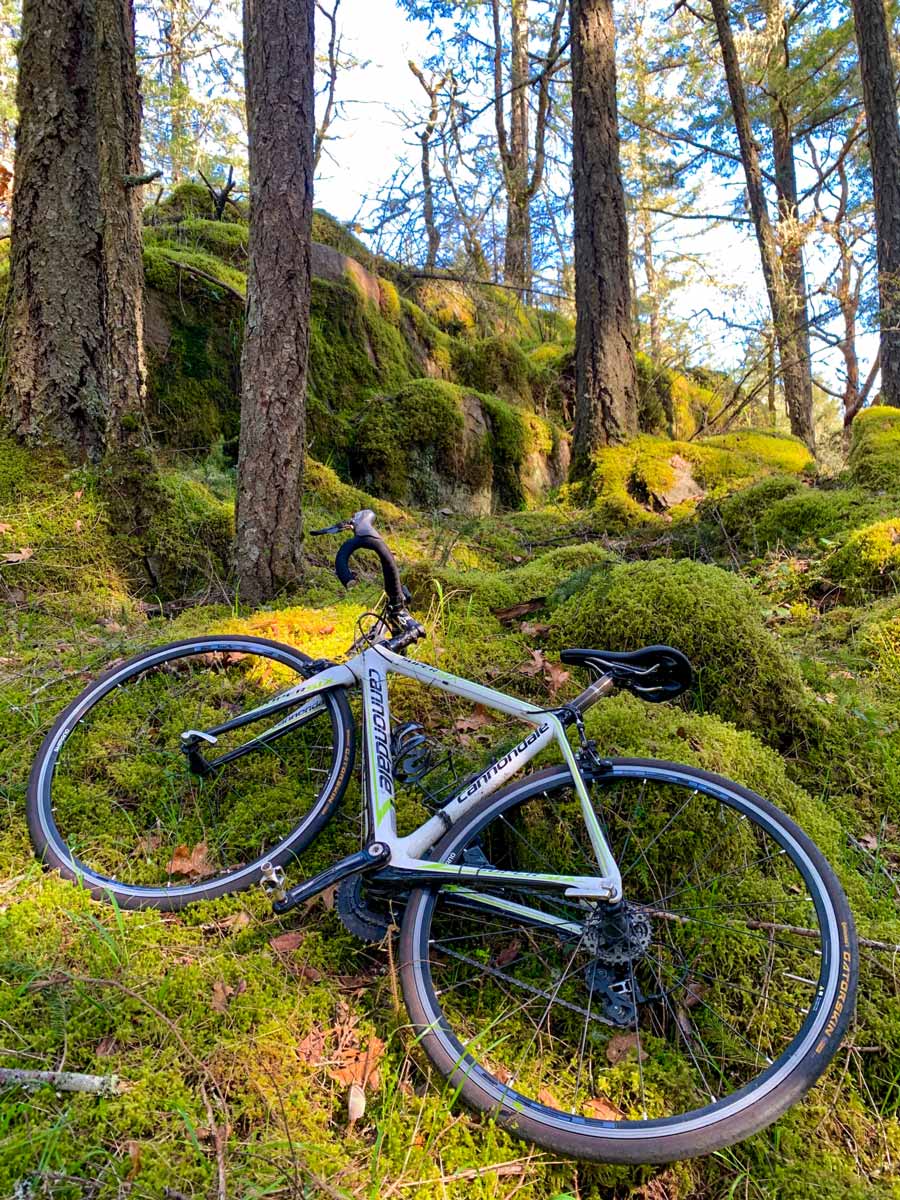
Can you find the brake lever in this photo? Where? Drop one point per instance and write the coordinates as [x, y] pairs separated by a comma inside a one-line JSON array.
[[339, 528]]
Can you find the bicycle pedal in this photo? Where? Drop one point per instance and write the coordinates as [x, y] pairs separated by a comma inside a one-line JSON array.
[[272, 882]]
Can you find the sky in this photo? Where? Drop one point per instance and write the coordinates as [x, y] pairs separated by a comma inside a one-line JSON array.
[[371, 138]]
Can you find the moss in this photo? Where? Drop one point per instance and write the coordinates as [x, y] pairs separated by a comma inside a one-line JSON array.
[[192, 200], [411, 445], [328, 231], [627, 481], [655, 405], [448, 304], [868, 561], [693, 403], [875, 448], [496, 365], [485, 591], [324, 492], [225, 240], [353, 354], [194, 333], [743, 674]]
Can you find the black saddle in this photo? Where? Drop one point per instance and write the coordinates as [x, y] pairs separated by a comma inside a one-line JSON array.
[[654, 673]]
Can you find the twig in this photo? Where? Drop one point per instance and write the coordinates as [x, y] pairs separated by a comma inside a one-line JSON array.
[[219, 1133], [64, 1081], [191, 270], [132, 181]]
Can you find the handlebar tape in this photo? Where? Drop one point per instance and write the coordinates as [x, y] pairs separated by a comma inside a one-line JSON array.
[[392, 585]]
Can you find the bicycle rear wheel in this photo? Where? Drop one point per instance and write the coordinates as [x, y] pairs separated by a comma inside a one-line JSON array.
[[113, 804], [698, 1014]]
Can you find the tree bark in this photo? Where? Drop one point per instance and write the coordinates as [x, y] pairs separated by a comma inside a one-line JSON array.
[[279, 52], [799, 395], [876, 69], [784, 319], [73, 372], [605, 381]]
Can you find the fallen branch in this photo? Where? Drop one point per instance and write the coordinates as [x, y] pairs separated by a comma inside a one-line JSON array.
[[64, 1081], [220, 283]]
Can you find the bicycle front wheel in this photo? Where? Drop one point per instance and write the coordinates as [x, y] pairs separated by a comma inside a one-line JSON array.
[[690, 1018], [115, 804]]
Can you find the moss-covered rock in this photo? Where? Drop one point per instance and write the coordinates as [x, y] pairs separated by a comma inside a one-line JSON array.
[[743, 673], [497, 365], [648, 475], [875, 448], [868, 561]]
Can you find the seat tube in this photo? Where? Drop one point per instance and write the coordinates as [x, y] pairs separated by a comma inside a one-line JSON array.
[[379, 767]]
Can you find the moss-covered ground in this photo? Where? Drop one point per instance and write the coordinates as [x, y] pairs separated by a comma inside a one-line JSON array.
[[232, 1040]]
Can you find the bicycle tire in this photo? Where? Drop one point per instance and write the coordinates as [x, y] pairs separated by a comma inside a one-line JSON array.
[[50, 844], [696, 1131]]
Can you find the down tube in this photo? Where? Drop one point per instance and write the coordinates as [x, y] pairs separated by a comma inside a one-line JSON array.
[[379, 773]]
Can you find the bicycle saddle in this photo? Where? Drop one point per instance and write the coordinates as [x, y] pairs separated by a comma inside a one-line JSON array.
[[653, 673]]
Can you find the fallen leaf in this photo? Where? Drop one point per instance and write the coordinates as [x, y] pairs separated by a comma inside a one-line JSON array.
[[534, 629], [694, 992], [312, 1048], [4, 528], [309, 973], [535, 666], [222, 993], [868, 841], [79, 525], [236, 922], [508, 954], [556, 676], [106, 1046], [602, 1110], [477, 720], [286, 942], [359, 1066], [77, 495], [149, 844], [622, 1044], [545, 1096], [134, 1153], [193, 863], [356, 1104], [23, 555]]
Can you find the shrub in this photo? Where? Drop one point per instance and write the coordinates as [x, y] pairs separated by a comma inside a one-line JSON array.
[[497, 365], [743, 674]]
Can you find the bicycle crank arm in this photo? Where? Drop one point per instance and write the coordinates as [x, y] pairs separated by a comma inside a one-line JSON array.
[[368, 859]]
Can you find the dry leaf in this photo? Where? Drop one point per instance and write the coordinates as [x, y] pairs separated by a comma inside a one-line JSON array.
[[622, 1044], [23, 555], [134, 1153], [534, 629], [106, 1046], [4, 528], [868, 841], [545, 1096], [356, 1104], [477, 720], [556, 676], [286, 942], [602, 1110], [193, 863], [149, 844], [222, 993], [509, 954], [77, 495], [312, 1048], [535, 666], [359, 1066], [236, 922]]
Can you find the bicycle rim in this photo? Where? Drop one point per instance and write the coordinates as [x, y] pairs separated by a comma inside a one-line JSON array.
[[709, 1006], [114, 803]]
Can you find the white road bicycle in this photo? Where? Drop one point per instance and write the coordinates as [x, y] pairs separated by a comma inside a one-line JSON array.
[[627, 960]]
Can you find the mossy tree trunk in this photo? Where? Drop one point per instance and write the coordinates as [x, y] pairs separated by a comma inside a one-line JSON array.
[[279, 52], [883, 128], [74, 374], [606, 397]]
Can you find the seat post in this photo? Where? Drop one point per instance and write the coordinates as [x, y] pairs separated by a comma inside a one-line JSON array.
[[596, 691]]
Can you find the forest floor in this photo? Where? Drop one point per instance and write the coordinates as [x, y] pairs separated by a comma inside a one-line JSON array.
[[234, 1032]]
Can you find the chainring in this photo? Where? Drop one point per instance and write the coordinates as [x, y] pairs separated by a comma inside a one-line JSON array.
[[369, 924]]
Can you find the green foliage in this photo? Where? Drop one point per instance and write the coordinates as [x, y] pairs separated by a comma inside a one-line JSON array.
[[875, 448], [654, 396], [743, 673]]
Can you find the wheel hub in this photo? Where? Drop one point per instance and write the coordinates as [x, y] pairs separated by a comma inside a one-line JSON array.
[[618, 935]]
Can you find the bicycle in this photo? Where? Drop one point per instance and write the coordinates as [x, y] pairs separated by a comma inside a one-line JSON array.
[[619, 959]]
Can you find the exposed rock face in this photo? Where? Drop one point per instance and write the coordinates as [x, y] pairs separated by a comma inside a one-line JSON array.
[[328, 263], [683, 487]]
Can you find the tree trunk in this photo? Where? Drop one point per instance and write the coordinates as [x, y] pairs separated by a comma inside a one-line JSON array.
[[516, 265], [790, 236], [73, 324], [876, 69], [279, 52], [605, 381], [784, 319], [178, 90]]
